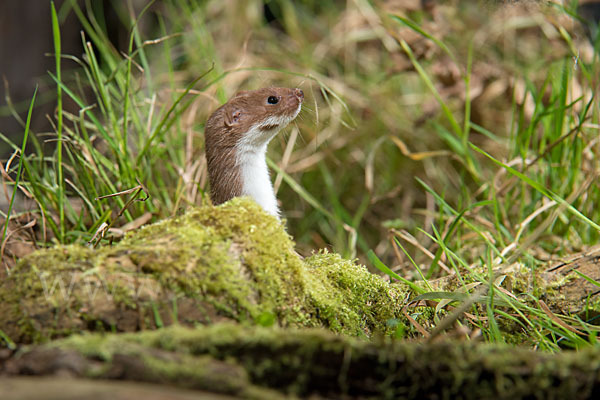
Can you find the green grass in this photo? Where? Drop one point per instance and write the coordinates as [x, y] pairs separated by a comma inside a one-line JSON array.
[[426, 147]]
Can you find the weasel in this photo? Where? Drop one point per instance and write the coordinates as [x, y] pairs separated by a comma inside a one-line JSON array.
[[236, 139]]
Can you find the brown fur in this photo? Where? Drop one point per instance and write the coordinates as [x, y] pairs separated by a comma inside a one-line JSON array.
[[229, 124]]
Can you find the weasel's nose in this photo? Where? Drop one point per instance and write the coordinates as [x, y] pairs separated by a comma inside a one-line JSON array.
[[299, 94]]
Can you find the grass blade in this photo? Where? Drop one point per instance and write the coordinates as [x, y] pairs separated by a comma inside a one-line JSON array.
[[20, 170], [59, 126], [377, 263]]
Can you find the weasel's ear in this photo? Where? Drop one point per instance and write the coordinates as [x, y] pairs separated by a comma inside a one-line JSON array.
[[231, 116]]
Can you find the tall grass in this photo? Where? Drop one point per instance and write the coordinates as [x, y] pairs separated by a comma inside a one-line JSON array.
[[121, 134], [536, 199]]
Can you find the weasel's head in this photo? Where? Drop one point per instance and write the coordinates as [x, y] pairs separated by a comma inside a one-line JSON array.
[[253, 118], [236, 138]]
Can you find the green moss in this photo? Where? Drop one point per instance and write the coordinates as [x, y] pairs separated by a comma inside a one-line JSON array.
[[232, 262], [348, 296], [253, 362], [155, 366]]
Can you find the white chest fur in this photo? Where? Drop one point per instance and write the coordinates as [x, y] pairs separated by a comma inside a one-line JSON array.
[[251, 159], [256, 181]]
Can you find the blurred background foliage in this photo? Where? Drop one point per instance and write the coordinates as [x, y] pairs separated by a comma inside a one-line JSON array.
[[457, 131]]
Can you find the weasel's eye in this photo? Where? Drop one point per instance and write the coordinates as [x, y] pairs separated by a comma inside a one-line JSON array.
[[272, 100]]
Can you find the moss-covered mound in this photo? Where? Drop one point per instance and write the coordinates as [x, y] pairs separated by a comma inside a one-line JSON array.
[[252, 362], [232, 262]]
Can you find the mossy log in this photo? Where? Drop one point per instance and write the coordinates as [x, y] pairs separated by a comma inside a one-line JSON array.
[[226, 270], [258, 362], [578, 276], [568, 286], [228, 263], [231, 263]]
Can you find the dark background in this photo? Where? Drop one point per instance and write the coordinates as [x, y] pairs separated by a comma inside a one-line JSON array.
[[27, 54]]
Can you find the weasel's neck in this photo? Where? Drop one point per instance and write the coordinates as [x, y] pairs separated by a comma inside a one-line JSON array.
[[255, 177]]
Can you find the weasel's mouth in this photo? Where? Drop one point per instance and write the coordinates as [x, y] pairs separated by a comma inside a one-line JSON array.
[[274, 123], [269, 127], [298, 109]]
